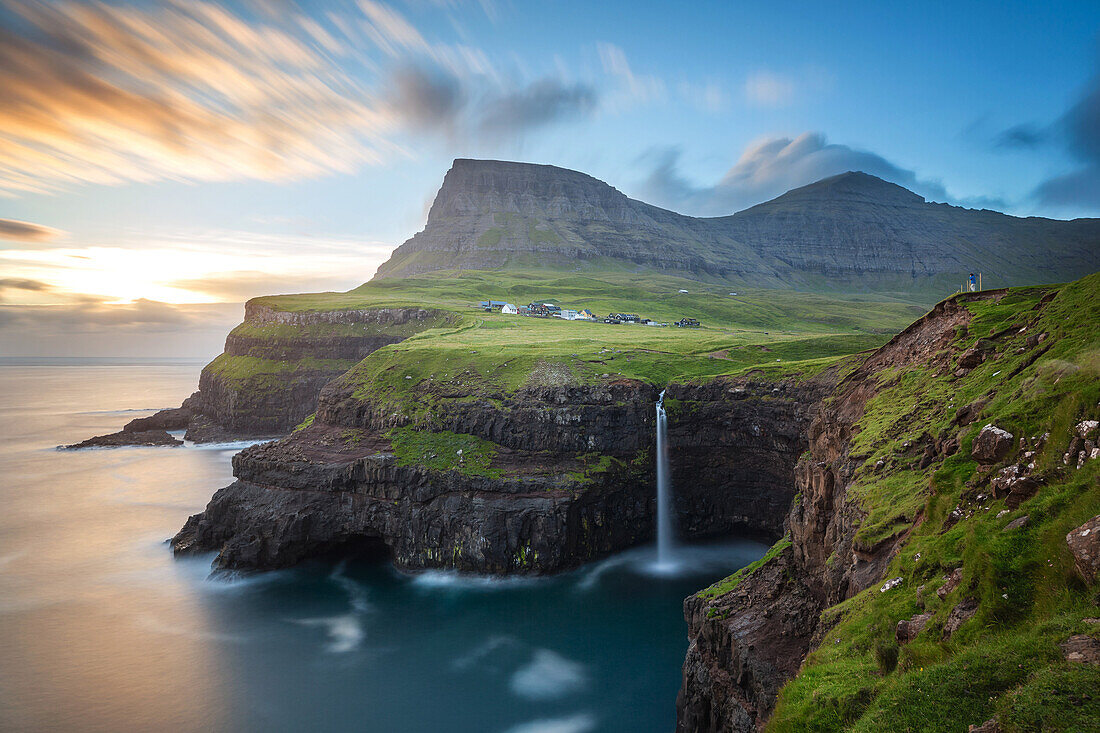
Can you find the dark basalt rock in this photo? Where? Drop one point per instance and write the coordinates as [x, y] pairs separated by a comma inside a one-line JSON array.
[[734, 444], [228, 410], [127, 438], [745, 645], [852, 229]]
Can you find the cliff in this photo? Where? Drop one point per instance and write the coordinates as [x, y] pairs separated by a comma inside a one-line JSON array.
[[926, 581], [852, 231], [272, 370], [531, 481]]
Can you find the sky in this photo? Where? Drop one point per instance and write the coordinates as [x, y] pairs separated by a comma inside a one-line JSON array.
[[160, 163]]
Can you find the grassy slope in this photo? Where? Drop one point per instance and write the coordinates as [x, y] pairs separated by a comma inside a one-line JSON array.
[[1004, 661], [489, 354], [506, 352]]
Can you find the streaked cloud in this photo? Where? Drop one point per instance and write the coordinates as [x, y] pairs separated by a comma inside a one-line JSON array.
[[193, 266], [767, 168], [1078, 130], [1024, 136], [709, 96], [22, 284], [430, 98], [25, 231], [537, 104], [769, 89], [100, 93], [629, 87], [143, 328], [245, 284]]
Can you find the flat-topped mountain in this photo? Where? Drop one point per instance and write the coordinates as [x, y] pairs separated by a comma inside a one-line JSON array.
[[852, 231]]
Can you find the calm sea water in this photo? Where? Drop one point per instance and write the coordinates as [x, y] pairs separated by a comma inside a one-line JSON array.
[[102, 630]]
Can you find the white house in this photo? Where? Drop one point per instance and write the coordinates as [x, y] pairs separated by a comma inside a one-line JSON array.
[[569, 315], [509, 310]]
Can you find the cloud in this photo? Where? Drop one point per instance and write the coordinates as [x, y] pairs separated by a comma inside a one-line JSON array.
[[106, 93], [708, 96], [580, 723], [25, 231], [632, 88], [143, 328], [431, 98], [547, 676], [26, 285], [244, 284], [540, 103], [1079, 131], [18, 283], [1025, 136], [769, 89], [427, 98], [767, 168]]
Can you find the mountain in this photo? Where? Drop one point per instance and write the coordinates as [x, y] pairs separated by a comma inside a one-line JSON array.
[[851, 231]]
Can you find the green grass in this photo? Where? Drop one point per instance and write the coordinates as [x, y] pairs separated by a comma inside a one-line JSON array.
[[257, 374], [320, 331], [726, 585], [653, 295], [1005, 660], [785, 335], [444, 451]]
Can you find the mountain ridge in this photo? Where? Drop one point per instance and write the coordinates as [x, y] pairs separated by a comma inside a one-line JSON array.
[[852, 230]]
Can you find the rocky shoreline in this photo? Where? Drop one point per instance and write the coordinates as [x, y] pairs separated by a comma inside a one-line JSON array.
[[534, 510], [248, 394]]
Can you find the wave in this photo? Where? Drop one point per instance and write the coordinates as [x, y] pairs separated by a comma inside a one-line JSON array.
[[479, 653], [580, 723], [452, 579], [548, 675], [345, 633]]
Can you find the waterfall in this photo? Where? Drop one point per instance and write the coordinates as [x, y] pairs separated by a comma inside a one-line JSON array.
[[664, 489]]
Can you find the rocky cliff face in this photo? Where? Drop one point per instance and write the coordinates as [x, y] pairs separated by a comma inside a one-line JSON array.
[[276, 363], [568, 477], [749, 638], [849, 231], [273, 368], [896, 447]]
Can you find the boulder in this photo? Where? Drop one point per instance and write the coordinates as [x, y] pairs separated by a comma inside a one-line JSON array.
[[989, 726], [969, 413], [1021, 490], [125, 438], [175, 418], [907, 629], [1082, 649], [951, 582], [1087, 429], [992, 444], [971, 358], [959, 615], [1084, 545], [1017, 523]]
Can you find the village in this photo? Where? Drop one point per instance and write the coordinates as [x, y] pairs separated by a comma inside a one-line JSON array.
[[549, 310]]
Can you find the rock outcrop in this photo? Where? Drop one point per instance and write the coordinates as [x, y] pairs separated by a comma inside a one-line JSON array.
[[745, 643], [848, 231], [570, 477], [127, 438], [1084, 544], [274, 366]]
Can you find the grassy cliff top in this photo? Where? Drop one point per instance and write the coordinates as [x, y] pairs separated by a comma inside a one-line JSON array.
[[653, 296], [1005, 661], [491, 353]]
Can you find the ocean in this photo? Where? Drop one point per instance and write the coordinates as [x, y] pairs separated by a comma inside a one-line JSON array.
[[101, 629]]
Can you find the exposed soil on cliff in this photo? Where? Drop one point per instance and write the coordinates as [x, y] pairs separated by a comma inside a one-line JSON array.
[[897, 490]]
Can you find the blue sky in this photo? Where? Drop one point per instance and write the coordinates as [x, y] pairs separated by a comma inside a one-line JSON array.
[[160, 186]]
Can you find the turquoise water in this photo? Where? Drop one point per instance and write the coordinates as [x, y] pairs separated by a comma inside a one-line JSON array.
[[102, 630]]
